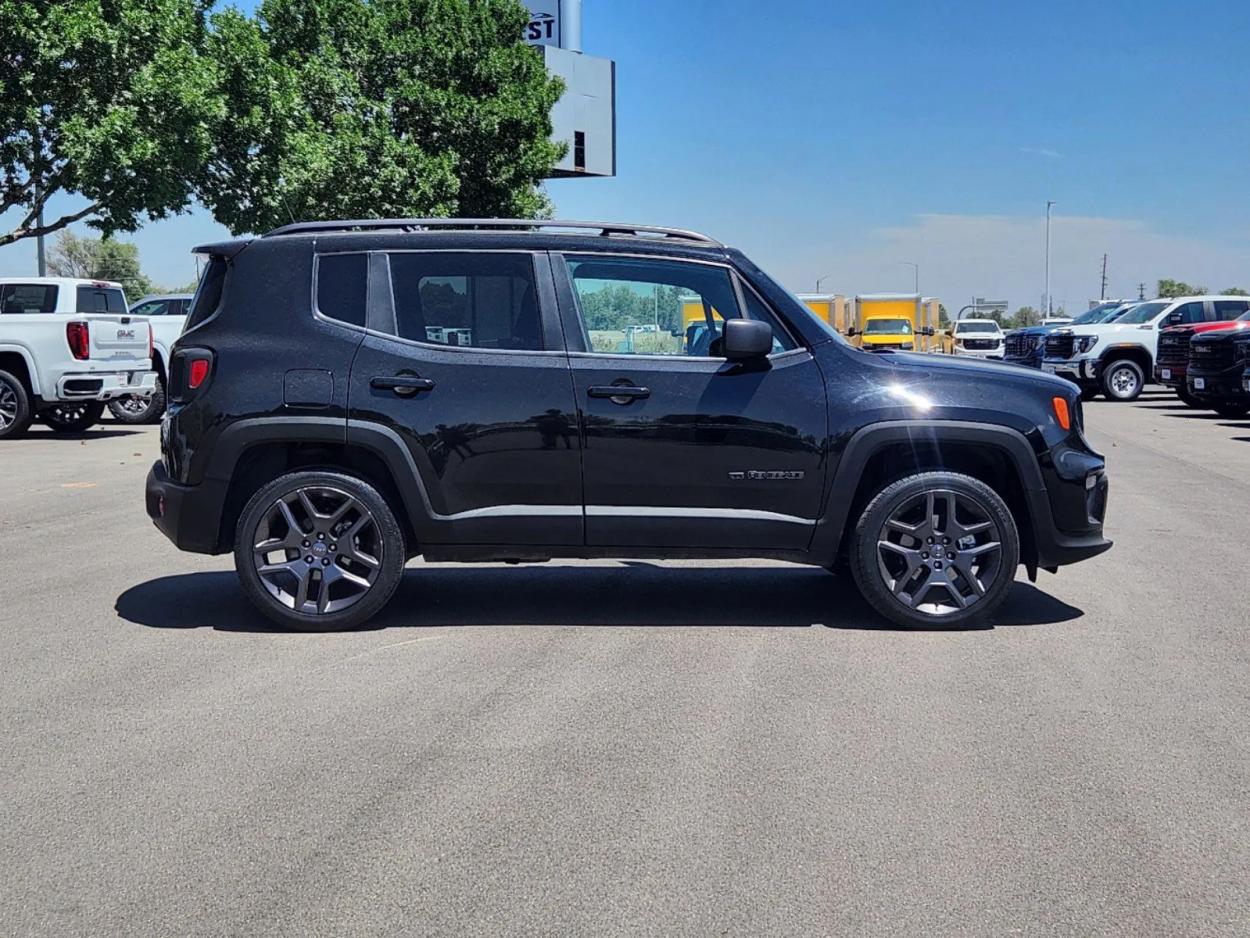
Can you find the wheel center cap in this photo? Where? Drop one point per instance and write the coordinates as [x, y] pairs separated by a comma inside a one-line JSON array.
[[939, 552], [319, 548]]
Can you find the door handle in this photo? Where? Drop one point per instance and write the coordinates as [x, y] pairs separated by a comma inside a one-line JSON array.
[[403, 385], [619, 393]]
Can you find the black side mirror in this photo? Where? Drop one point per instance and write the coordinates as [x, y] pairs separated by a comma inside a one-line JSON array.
[[744, 339], [928, 330], [852, 331], [1175, 319]]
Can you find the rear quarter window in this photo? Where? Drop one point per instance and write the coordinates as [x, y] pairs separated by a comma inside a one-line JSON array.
[[208, 294]]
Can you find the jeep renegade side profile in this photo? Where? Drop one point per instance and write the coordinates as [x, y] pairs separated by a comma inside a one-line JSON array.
[[349, 395]]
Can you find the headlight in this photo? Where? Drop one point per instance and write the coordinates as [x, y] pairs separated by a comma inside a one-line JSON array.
[[1085, 342]]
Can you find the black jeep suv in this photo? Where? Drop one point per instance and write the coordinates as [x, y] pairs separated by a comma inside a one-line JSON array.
[[349, 395]]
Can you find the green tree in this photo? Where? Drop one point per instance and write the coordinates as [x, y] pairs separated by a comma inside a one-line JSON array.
[[1234, 291], [1025, 316], [368, 108], [99, 259], [109, 101], [1169, 289]]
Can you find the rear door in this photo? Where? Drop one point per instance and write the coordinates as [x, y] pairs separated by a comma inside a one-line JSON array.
[[464, 363], [682, 447]]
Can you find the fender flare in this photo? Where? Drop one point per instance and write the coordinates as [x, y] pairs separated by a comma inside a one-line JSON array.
[[869, 440], [36, 389]]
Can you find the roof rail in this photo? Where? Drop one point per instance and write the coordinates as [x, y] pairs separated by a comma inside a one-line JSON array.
[[605, 229]]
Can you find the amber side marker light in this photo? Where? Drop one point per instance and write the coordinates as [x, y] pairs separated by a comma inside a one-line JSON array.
[[1061, 412]]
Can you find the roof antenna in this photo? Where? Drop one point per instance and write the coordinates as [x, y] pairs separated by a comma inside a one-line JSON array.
[[282, 196]]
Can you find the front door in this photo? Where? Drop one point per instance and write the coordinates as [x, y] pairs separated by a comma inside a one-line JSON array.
[[683, 448], [464, 363]]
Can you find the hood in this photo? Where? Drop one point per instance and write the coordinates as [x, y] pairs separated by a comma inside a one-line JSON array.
[[1037, 330], [922, 364], [1233, 332]]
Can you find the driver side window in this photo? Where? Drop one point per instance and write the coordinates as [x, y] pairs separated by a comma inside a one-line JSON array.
[[657, 307]]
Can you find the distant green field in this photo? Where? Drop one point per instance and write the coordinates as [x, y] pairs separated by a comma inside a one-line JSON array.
[[645, 343]]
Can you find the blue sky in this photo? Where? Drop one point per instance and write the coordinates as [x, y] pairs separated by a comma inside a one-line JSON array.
[[844, 139]]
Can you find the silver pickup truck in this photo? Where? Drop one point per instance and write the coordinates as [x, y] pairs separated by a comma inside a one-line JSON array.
[[67, 347]]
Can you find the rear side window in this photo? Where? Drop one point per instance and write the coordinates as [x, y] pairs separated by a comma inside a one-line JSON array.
[[208, 293], [1189, 312], [1230, 309], [150, 308], [467, 300], [100, 300], [27, 298], [342, 280]]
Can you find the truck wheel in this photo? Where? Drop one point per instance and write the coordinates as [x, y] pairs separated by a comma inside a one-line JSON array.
[[1088, 393], [935, 550], [1122, 380], [73, 418], [134, 409], [1231, 411], [318, 551], [15, 410]]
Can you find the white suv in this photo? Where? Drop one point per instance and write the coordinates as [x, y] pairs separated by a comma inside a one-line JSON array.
[[1117, 358], [979, 338]]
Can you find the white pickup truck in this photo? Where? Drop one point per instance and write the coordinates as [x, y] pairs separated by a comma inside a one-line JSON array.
[[167, 314], [67, 347]]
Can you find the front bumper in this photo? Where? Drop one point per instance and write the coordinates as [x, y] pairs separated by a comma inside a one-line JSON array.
[[89, 386], [189, 515], [1079, 370], [1068, 516], [1173, 376], [1228, 384], [988, 354]]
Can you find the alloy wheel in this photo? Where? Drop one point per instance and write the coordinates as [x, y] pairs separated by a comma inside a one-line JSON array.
[[133, 404], [8, 405], [939, 552], [1124, 382], [317, 550]]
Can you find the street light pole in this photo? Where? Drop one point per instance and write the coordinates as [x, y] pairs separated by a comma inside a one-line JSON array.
[[820, 280], [1049, 205], [916, 269]]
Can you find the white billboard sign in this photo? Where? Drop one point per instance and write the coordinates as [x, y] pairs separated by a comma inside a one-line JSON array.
[[544, 25]]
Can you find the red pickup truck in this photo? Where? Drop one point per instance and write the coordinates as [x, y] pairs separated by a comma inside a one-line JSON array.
[[1172, 360]]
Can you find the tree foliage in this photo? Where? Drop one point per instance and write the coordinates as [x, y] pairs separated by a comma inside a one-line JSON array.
[[368, 108], [110, 101], [1025, 316], [99, 259], [1170, 289], [1234, 291], [615, 306]]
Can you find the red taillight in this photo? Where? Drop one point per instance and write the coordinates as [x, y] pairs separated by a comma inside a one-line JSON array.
[[79, 338], [197, 372]]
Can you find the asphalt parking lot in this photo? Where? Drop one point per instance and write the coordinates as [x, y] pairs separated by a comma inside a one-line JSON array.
[[627, 748]]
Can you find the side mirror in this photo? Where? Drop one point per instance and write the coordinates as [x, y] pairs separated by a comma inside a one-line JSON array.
[[852, 331], [1175, 319], [744, 339], [928, 330]]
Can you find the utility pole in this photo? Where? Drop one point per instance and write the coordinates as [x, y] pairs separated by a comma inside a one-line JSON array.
[[1141, 291], [1049, 204], [916, 269], [40, 257], [820, 280], [1102, 295]]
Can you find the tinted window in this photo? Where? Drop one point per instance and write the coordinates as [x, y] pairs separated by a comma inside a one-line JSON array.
[[643, 307], [1230, 309], [208, 293], [342, 280], [100, 300], [1144, 312], [467, 300], [1187, 312], [28, 298]]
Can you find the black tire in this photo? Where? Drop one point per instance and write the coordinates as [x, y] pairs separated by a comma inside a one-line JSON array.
[[72, 418], [1122, 380], [1189, 400], [884, 588], [1088, 392], [291, 572], [128, 410], [1231, 411], [16, 413]]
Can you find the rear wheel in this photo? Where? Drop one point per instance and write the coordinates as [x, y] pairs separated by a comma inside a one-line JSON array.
[[319, 551], [1123, 380], [935, 550], [135, 409], [73, 418], [15, 409], [1232, 411]]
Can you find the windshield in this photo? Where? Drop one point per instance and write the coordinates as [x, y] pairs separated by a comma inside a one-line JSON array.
[[976, 327], [1097, 314], [1143, 313], [893, 326]]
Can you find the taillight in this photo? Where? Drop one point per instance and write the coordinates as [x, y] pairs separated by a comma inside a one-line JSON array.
[[78, 336], [197, 372]]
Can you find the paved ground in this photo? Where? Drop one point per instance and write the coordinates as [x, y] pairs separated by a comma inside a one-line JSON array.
[[627, 748]]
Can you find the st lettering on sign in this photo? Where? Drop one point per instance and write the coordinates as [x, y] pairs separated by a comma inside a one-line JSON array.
[[543, 28]]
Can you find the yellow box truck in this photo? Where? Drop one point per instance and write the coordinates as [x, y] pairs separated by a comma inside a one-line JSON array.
[[897, 321], [833, 308]]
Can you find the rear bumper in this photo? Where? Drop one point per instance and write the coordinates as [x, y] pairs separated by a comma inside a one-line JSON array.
[[189, 515], [105, 387]]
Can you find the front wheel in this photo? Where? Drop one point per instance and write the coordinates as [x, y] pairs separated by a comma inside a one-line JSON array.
[[134, 409], [73, 418], [935, 550], [319, 551], [1123, 380], [1231, 411]]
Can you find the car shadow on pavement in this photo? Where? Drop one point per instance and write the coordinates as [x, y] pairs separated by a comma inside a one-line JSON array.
[[37, 433], [637, 595]]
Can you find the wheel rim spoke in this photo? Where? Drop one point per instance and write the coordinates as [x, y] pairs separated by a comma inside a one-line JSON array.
[[322, 570]]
